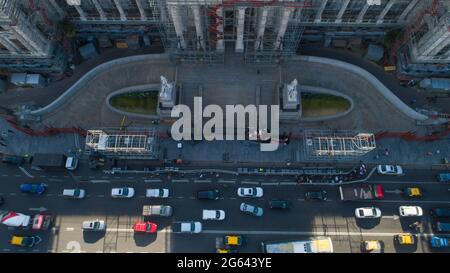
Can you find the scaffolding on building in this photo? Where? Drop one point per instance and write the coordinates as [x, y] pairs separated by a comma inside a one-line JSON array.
[[327, 145], [132, 143]]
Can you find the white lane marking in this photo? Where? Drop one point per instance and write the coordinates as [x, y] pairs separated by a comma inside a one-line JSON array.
[[13, 193], [288, 183], [233, 198], [307, 233], [407, 201], [269, 184], [152, 180], [18, 175], [394, 217], [100, 181], [130, 177], [180, 197], [180, 180], [250, 182], [70, 229], [300, 199], [25, 172], [100, 195], [202, 181], [99, 251], [4, 175], [227, 181]]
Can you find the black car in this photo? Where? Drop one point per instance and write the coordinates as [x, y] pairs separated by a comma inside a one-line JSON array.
[[280, 204], [12, 159], [208, 194], [319, 195]]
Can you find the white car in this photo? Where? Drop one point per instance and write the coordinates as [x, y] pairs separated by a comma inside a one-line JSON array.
[[213, 214], [368, 212], [390, 169], [250, 192], [124, 192], [74, 193], [159, 193], [95, 225], [407, 211]]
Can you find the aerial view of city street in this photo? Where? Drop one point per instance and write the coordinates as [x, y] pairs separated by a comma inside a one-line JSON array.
[[224, 126]]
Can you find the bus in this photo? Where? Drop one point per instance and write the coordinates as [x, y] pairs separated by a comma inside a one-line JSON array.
[[313, 245]]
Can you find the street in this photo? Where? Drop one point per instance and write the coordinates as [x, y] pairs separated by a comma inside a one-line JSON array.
[[306, 218]]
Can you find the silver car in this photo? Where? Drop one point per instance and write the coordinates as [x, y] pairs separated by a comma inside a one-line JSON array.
[[95, 225], [250, 209]]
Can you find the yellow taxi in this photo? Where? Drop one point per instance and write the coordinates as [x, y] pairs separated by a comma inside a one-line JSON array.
[[405, 239], [413, 192], [233, 240], [26, 241], [373, 246]]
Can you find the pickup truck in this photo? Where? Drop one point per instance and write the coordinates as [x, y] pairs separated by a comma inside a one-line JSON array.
[[157, 210], [35, 222], [187, 227], [444, 177], [361, 192]]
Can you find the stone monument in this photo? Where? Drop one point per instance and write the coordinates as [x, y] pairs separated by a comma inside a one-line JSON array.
[[167, 97], [290, 101]]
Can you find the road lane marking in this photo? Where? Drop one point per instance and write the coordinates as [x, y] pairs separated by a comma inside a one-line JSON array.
[[4, 175], [98, 251], [55, 179], [407, 201], [250, 182], [308, 233], [202, 181], [130, 177], [100, 181], [6, 249], [288, 183], [191, 197], [393, 217], [300, 199], [233, 198], [35, 250], [152, 180], [70, 229], [227, 181], [49, 194], [180, 197], [180, 180], [18, 175], [25, 172], [100, 195], [269, 184], [13, 194]]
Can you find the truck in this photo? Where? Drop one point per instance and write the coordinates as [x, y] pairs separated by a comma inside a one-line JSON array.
[[444, 177], [54, 161], [313, 245], [34, 222], [187, 227], [361, 192], [157, 210]]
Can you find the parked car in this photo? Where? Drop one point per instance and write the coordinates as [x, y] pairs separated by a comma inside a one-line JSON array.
[[145, 227], [409, 211], [233, 240], [157, 210], [441, 226], [250, 192], [440, 212], [390, 169], [95, 225], [439, 242], [318, 195], [368, 212], [74, 193], [13, 159], [158, 193], [124, 192], [208, 194], [280, 204], [250, 209], [213, 214], [413, 192], [25, 241], [372, 246], [33, 188], [444, 177], [405, 239]]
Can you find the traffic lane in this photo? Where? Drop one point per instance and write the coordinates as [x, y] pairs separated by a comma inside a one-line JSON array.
[[409, 174]]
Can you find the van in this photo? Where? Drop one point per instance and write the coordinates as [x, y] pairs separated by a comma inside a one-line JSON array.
[[441, 226], [440, 212]]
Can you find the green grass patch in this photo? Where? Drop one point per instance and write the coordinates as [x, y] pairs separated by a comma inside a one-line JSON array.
[[318, 105], [139, 102]]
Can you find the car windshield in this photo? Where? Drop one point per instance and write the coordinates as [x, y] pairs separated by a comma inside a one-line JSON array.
[[124, 191], [383, 168], [361, 212], [394, 169], [148, 227], [76, 192], [374, 212], [96, 225], [255, 210], [160, 192]]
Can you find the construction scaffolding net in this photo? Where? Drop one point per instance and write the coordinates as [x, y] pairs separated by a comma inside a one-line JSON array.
[[328, 145], [129, 143]]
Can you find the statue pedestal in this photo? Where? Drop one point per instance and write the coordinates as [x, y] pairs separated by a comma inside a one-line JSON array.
[[290, 102], [168, 97]]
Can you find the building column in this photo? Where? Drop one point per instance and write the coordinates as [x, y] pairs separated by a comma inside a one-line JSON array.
[[141, 10], [81, 12], [178, 25], [57, 8], [386, 9], [198, 27], [362, 13], [342, 11], [262, 20], [12, 48], [320, 11], [100, 10], [283, 26], [407, 10], [123, 17], [240, 30], [220, 45]]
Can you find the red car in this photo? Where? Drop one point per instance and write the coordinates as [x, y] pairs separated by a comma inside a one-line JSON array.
[[147, 227]]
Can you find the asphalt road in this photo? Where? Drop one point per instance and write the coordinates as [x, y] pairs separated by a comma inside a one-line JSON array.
[[307, 218]]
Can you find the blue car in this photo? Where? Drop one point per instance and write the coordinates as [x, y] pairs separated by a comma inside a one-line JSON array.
[[33, 188], [439, 242]]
